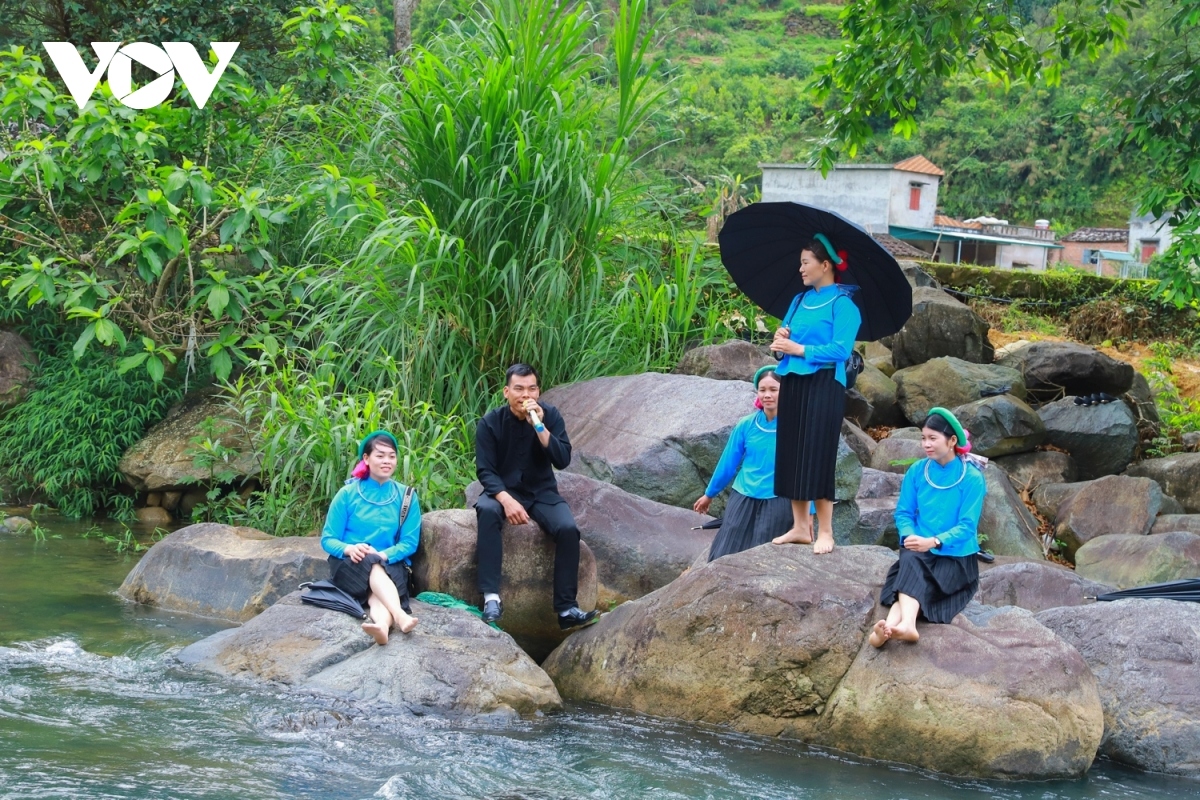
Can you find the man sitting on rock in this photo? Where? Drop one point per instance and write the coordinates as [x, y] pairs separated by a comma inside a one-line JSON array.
[[517, 447]]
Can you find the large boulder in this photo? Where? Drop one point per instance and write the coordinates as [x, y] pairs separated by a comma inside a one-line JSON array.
[[1165, 523], [923, 704], [1001, 425], [1178, 475], [452, 662], [896, 454], [737, 360], [445, 562], [1110, 505], [658, 436], [1102, 439], [1049, 497], [880, 392], [940, 326], [1009, 528], [1036, 586], [1141, 397], [639, 545], [17, 361], [763, 641], [1055, 369], [221, 571], [858, 441], [164, 458], [1031, 470], [951, 382], [876, 524], [1127, 560], [858, 409], [1145, 655], [877, 355]]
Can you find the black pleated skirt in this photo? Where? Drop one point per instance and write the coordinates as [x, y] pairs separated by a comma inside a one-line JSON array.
[[811, 408], [749, 522], [355, 579], [943, 585]]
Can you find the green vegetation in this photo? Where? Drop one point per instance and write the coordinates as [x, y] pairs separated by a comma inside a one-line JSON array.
[[1179, 414]]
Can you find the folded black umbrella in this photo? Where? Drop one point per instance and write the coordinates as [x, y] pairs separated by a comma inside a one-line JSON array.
[[324, 594], [761, 244], [708, 526], [1187, 590]]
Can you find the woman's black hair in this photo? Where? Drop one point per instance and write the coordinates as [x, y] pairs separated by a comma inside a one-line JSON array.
[[936, 422], [369, 446], [817, 248]]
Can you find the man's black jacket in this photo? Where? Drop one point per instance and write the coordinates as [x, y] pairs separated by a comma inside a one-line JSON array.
[[508, 456]]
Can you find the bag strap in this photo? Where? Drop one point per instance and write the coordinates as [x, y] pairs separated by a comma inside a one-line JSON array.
[[408, 496]]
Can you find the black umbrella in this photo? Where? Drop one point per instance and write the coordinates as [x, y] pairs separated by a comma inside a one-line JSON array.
[[708, 526], [1187, 589], [761, 244], [324, 594]]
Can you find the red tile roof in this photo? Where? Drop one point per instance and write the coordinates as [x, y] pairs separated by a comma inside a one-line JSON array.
[[900, 248], [919, 164], [942, 221]]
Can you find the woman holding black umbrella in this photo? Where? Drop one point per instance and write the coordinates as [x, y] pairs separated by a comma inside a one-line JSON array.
[[815, 341]]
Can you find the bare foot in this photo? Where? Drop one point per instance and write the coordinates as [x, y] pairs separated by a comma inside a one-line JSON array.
[[407, 625], [376, 631], [794, 537], [880, 634], [824, 543], [905, 634]]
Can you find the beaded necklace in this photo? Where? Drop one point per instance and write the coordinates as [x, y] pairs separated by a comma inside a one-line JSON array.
[[394, 496], [951, 486], [836, 295], [760, 427]]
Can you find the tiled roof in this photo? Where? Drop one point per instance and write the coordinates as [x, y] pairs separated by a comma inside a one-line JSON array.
[[919, 164], [942, 221], [899, 248], [1098, 235]]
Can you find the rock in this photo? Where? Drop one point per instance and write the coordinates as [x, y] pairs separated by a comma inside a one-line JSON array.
[[951, 382], [1145, 655], [910, 433], [1110, 505], [452, 662], [896, 455], [445, 562], [1128, 560], [917, 277], [15, 524], [154, 499], [657, 436], [880, 392], [877, 483], [17, 361], [940, 326], [639, 545], [1031, 470], [220, 571], [1178, 475], [170, 500], [1166, 523], [190, 500], [164, 457], [756, 640], [878, 356], [1191, 441], [876, 524], [1171, 506], [858, 441], [1142, 400], [1102, 439], [1053, 370], [858, 409], [1049, 497], [923, 704], [154, 515], [847, 472], [1001, 426], [1036, 586], [730, 361], [1009, 527]]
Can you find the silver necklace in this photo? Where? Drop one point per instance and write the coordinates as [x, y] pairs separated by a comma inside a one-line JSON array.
[[951, 486], [391, 499], [761, 428], [814, 308]]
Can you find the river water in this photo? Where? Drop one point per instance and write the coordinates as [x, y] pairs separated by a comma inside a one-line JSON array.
[[93, 705]]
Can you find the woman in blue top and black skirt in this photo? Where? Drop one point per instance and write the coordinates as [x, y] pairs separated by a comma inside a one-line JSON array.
[[370, 537], [754, 514], [937, 516], [816, 339]]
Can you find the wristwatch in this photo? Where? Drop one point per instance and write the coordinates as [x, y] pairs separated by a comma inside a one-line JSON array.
[[937, 543]]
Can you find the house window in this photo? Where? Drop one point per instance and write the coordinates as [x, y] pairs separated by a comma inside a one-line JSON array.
[[1149, 249], [914, 197], [1091, 256]]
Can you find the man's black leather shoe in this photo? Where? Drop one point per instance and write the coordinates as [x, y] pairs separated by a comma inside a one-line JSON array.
[[492, 610], [574, 618]]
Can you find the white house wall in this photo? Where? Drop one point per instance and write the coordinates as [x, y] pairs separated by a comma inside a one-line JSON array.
[[899, 212], [860, 195], [1148, 228], [1009, 254]]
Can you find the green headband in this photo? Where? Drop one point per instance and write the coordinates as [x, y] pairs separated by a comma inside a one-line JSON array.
[[954, 423], [763, 371], [362, 446], [833, 256]]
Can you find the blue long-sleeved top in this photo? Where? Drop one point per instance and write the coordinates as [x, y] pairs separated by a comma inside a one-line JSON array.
[[354, 520], [952, 515], [825, 321], [751, 447]]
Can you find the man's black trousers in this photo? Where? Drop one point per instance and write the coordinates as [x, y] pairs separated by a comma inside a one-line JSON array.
[[558, 523]]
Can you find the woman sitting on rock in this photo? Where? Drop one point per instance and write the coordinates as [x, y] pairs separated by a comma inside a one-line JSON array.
[[371, 532], [937, 516], [754, 515]]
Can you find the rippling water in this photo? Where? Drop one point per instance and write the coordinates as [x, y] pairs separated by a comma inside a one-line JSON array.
[[93, 705]]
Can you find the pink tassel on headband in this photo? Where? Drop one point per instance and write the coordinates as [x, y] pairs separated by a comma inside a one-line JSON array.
[[966, 447], [361, 470], [758, 404]]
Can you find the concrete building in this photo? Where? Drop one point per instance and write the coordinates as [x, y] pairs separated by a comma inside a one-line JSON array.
[[1082, 247], [1148, 236]]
